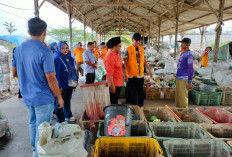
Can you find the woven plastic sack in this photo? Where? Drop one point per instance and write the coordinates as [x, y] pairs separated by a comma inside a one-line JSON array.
[[3, 125], [61, 140]]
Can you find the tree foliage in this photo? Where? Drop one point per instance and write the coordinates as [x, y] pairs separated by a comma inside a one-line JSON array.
[[62, 34], [125, 39], [10, 27]]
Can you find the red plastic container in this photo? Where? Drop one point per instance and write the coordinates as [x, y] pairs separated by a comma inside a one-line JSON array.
[[216, 115], [96, 96]]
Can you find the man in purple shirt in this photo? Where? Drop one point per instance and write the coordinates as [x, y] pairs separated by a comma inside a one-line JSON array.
[[184, 74]]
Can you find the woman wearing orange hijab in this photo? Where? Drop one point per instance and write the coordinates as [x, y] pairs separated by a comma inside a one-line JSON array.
[[205, 59]]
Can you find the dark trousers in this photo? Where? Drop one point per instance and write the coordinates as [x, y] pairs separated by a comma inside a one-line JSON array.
[[65, 112], [20, 96], [115, 96], [134, 91], [90, 78], [59, 113]]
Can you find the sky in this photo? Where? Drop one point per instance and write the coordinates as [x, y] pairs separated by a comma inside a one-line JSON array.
[[54, 17]]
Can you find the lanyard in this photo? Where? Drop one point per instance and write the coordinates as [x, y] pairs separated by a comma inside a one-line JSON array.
[[64, 64]]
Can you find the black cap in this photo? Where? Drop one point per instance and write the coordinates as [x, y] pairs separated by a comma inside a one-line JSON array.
[[103, 43], [136, 36], [186, 40], [113, 42]]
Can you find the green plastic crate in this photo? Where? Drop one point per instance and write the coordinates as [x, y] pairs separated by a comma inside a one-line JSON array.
[[208, 98], [197, 148], [138, 129], [167, 130]]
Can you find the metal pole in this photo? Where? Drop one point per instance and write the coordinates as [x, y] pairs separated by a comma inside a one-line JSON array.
[[36, 8], [218, 30]]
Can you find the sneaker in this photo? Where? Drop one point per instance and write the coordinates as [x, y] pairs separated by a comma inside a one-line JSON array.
[[34, 154], [72, 119], [67, 119]]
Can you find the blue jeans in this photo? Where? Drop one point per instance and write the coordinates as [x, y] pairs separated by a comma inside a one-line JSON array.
[[38, 115]]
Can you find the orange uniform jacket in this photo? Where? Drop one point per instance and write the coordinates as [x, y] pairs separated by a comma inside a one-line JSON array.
[[96, 52], [78, 54], [132, 65], [103, 53]]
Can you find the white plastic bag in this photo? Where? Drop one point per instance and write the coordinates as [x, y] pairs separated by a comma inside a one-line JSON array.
[[61, 140], [170, 66], [100, 71]]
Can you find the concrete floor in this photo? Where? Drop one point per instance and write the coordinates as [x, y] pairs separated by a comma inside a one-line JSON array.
[[18, 144]]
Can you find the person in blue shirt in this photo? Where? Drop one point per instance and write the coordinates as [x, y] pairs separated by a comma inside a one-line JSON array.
[[90, 63], [33, 64], [65, 70]]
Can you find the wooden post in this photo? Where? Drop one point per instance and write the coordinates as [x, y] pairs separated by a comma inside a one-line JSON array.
[[97, 37], [143, 38], [69, 11], [84, 23], [149, 36], [70, 32], [202, 32], [36, 8], [182, 34], [176, 31], [218, 29], [159, 25], [170, 37], [92, 31]]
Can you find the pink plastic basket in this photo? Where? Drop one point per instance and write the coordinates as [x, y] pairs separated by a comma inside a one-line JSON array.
[[216, 115]]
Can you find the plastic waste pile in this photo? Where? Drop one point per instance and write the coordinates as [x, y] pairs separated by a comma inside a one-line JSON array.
[[160, 81], [4, 70], [8, 84], [217, 71]]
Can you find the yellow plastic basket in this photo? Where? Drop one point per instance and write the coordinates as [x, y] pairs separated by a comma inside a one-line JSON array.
[[127, 147]]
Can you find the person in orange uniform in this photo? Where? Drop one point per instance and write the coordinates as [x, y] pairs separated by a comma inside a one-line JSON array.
[[96, 50], [103, 51], [134, 62], [114, 69], [205, 59], [79, 58]]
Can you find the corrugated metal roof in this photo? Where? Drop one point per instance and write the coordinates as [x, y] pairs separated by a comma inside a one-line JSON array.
[[139, 15]]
